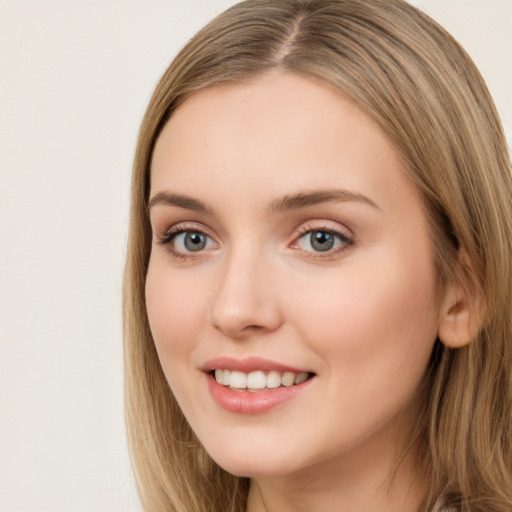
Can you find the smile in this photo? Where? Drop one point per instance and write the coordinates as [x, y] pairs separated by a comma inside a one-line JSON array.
[[258, 380]]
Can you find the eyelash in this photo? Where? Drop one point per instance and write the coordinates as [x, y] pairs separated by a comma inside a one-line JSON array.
[[307, 229], [172, 233]]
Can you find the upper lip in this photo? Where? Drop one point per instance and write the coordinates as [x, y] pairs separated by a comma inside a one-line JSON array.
[[247, 365]]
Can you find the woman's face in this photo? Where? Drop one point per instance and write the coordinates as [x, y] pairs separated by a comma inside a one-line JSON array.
[[288, 244]]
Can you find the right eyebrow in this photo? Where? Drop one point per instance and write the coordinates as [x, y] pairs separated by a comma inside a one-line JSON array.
[[179, 200]]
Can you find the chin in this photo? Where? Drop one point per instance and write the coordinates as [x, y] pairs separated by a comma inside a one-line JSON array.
[[256, 461], [252, 469]]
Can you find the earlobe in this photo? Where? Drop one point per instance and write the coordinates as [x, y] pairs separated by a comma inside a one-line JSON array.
[[461, 312]]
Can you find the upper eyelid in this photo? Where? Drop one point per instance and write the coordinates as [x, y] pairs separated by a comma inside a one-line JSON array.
[[187, 226], [326, 225], [348, 239], [166, 236], [336, 232], [302, 229], [169, 236]]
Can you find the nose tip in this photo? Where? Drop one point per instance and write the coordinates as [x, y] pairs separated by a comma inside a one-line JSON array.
[[245, 303], [236, 325]]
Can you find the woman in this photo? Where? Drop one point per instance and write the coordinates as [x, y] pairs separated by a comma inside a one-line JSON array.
[[318, 285]]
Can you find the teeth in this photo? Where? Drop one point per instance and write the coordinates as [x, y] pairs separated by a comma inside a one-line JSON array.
[[300, 378], [273, 379], [258, 379], [238, 380], [222, 377], [225, 379], [288, 378]]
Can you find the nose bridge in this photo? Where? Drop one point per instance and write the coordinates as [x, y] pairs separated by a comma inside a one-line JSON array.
[[244, 300]]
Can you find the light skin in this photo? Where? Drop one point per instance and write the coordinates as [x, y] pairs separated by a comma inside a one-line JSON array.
[[255, 169]]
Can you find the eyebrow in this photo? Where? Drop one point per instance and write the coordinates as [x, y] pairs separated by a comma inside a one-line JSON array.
[[282, 204], [179, 200], [305, 199]]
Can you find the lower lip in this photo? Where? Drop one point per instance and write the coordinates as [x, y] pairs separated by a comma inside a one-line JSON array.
[[256, 402]]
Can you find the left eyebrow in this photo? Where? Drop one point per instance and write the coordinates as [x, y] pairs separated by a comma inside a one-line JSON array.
[[305, 199]]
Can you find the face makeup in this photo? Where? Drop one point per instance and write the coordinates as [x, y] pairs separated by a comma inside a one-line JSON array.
[[290, 291]]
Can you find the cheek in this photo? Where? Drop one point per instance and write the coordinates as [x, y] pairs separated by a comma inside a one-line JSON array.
[[175, 307], [375, 318], [176, 312]]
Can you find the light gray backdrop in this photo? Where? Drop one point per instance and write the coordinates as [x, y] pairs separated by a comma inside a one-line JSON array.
[[75, 77]]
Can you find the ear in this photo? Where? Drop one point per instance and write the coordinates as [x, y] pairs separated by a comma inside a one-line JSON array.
[[461, 312]]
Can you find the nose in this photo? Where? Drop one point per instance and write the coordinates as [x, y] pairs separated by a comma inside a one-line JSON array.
[[246, 302]]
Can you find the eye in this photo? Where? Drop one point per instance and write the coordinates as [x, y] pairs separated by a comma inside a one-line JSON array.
[[183, 242], [322, 241], [191, 241]]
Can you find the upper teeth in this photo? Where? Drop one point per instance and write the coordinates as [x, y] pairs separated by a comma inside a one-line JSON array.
[[258, 379]]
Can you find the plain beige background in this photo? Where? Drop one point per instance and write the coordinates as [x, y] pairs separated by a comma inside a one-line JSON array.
[[75, 77]]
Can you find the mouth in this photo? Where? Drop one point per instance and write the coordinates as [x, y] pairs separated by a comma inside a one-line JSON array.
[[254, 385], [258, 380]]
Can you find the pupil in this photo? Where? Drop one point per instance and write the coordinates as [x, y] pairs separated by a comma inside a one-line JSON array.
[[322, 241], [195, 242]]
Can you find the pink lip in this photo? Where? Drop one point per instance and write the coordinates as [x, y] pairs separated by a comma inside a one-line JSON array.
[[246, 402], [258, 402], [250, 364]]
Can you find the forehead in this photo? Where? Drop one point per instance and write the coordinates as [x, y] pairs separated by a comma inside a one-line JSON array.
[[257, 110], [278, 132]]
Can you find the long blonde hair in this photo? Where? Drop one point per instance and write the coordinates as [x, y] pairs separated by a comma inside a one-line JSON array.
[[423, 90]]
